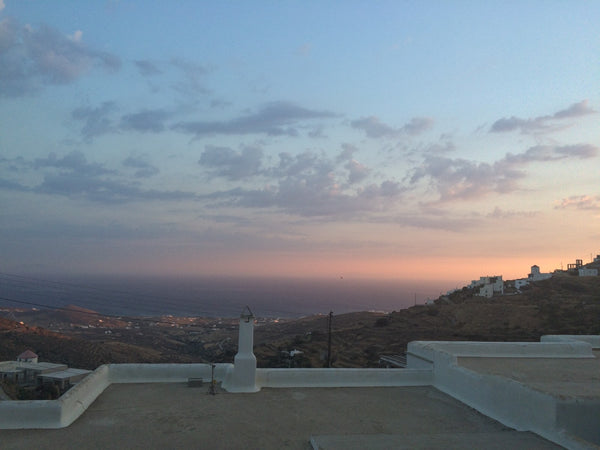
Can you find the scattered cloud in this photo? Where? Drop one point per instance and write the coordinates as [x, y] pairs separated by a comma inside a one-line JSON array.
[[32, 57], [274, 119], [499, 213], [144, 168], [147, 68], [147, 120], [580, 202], [96, 121], [552, 153], [74, 161], [193, 77], [375, 128], [463, 179], [227, 163], [310, 185], [74, 184], [542, 123]]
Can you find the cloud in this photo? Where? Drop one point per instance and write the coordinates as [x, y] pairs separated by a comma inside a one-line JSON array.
[[193, 77], [73, 176], [499, 213], [2, 5], [74, 161], [227, 163], [575, 110], [145, 121], [147, 68], [542, 123], [462, 179], [73, 184], [552, 153], [274, 119], [144, 168], [312, 185], [357, 172], [32, 57], [96, 121], [418, 125], [580, 202], [374, 128]]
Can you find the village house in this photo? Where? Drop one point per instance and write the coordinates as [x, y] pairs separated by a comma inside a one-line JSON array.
[[588, 272], [27, 371], [489, 286], [534, 275]]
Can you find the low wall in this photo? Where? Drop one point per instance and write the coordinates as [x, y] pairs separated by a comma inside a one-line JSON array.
[[30, 414], [63, 412], [551, 349], [287, 378], [165, 373], [593, 340], [509, 401], [76, 400]]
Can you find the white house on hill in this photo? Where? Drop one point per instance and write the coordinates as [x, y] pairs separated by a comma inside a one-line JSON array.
[[587, 272], [489, 286]]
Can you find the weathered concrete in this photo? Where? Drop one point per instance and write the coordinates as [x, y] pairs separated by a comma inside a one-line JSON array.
[[167, 415], [287, 378], [550, 388]]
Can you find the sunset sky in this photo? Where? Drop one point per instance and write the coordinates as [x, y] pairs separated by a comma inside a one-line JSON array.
[[433, 140]]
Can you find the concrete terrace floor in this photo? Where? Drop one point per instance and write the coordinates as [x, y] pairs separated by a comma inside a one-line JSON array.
[[564, 377], [173, 415]]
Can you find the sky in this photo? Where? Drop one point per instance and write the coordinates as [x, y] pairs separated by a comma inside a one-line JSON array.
[[409, 140]]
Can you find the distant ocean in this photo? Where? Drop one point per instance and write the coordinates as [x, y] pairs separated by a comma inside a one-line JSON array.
[[214, 296]]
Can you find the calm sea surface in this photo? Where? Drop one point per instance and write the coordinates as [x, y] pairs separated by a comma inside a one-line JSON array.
[[214, 297]]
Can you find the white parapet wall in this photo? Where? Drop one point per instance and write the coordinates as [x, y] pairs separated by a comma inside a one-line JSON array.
[[287, 378], [506, 400], [425, 350], [63, 412], [166, 373], [593, 340]]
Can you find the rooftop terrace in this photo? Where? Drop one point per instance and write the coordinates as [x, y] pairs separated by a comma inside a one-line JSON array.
[[451, 395], [172, 415]]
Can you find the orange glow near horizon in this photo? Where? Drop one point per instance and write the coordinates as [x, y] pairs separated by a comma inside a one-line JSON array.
[[455, 271]]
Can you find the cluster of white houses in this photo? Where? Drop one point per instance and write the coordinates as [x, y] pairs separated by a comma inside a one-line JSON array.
[[27, 371], [494, 285]]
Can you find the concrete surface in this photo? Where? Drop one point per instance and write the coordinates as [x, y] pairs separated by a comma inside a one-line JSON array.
[[559, 377], [172, 415]]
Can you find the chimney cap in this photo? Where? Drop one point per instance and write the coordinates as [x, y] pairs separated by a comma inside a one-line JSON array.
[[247, 314]]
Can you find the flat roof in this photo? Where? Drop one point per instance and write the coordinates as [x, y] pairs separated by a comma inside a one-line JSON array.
[[173, 415], [65, 374], [565, 377]]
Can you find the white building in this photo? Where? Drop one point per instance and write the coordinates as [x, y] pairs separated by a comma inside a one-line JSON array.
[[519, 283], [536, 275], [585, 272], [489, 286]]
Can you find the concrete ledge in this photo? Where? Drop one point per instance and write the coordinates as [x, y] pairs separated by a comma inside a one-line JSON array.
[[21, 414], [78, 399], [165, 373], [593, 340], [563, 349], [286, 378], [30, 414]]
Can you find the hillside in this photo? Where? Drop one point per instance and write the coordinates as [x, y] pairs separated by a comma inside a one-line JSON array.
[[564, 304]]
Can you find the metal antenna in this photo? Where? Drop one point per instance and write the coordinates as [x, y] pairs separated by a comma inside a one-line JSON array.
[[212, 390]]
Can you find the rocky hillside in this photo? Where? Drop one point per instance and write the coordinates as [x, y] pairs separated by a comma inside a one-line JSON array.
[[564, 304]]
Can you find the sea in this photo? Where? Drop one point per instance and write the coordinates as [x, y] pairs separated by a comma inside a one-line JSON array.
[[140, 296]]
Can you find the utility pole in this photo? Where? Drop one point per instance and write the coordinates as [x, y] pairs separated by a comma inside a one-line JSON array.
[[329, 340]]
